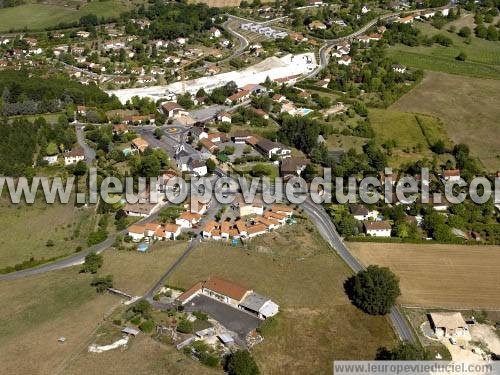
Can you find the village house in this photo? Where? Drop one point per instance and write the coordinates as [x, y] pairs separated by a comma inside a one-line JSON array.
[[224, 117], [172, 109], [317, 25], [450, 175], [378, 228], [238, 97], [82, 34], [167, 232], [74, 156], [361, 213], [270, 148], [136, 232], [120, 129], [139, 144], [187, 219], [293, 166], [139, 209], [345, 60]]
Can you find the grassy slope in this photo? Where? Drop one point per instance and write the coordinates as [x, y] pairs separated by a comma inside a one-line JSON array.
[[37, 310], [24, 230], [483, 57], [468, 108], [39, 16], [298, 270], [439, 275]]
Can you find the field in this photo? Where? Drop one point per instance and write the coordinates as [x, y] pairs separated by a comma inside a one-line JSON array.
[[468, 108], [448, 276], [483, 57], [413, 134], [298, 270], [25, 230], [40, 16], [38, 310]]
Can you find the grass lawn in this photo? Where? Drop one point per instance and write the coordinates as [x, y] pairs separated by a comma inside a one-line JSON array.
[[468, 108], [483, 57], [451, 276], [298, 270], [37, 310], [25, 230], [40, 16]]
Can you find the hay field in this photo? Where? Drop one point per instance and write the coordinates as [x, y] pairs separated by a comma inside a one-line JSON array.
[[468, 107], [450, 276]]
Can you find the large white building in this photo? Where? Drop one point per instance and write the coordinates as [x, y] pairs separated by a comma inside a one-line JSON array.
[[272, 67]]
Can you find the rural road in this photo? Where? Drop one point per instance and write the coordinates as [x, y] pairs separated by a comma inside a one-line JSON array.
[[72, 260], [326, 228]]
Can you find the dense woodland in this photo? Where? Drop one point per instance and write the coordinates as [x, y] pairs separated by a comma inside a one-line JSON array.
[[24, 93]]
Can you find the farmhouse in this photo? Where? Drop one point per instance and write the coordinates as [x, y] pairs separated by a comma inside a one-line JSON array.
[[377, 228], [448, 324], [232, 294]]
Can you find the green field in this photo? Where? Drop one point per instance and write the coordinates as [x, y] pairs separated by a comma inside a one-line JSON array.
[[469, 108], [299, 271], [40, 16], [413, 134], [483, 57]]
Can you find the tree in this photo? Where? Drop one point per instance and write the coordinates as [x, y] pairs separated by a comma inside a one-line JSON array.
[[157, 133], [465, 32], [492, 33], [101, 284], [211, 165], [241, 363], [80, 168], [461, 56], [92, 263], [374, 290], [142, 307], [405, 351]]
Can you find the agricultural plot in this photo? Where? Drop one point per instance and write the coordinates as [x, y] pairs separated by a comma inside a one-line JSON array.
[[410, 135], [483, 57], [40, 16], [449, 276], [468, 108]]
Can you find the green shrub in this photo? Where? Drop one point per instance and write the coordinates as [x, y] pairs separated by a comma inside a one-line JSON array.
[[147, 326], [200, 315], [185, 326]]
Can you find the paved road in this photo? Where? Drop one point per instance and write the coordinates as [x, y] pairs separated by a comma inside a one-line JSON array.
[[80, 137], [326, 228]]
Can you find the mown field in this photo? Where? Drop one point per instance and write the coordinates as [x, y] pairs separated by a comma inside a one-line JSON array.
[[413, 134], [40, 16], [483, 57], [451, 276], [299, 271], [37, 310], [468, 107]]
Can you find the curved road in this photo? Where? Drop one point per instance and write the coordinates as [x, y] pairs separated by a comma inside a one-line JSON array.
[[325, 226]]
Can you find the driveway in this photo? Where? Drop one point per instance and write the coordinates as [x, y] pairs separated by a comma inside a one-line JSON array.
[[233, 319]]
